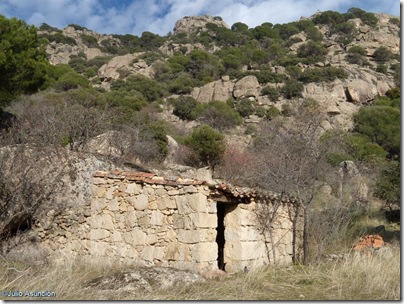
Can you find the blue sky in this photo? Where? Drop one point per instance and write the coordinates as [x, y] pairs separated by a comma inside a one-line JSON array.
[[159, 16]]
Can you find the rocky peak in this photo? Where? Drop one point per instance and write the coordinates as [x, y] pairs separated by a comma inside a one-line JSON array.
[[192, 24], [61, 52]]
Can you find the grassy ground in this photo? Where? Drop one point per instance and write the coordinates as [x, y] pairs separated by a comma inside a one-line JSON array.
[[355, 278]]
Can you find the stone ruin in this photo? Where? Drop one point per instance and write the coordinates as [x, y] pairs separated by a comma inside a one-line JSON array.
[[172, 222]]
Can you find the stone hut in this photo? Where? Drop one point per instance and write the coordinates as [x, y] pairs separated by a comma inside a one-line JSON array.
[[180, 223]]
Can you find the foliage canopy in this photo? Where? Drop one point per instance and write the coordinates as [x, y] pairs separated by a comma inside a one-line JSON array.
[[22, 59]]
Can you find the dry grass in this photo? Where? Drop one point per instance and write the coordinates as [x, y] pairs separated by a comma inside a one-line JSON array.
[[356, 278]]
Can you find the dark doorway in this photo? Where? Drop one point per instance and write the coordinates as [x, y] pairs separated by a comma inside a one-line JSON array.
[[221, 210]]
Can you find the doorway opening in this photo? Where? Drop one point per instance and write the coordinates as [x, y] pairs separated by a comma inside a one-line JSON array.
[[220, 240]]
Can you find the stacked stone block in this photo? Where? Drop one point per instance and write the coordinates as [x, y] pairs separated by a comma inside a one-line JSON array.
[[149, 220], [154, 224]]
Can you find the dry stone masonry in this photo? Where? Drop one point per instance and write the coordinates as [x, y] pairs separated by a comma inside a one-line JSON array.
[[173, 222]]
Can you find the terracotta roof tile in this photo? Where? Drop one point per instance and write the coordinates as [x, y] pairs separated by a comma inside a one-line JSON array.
[[218, 189]]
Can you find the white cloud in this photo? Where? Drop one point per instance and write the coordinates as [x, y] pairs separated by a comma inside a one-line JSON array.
[[159, 16]]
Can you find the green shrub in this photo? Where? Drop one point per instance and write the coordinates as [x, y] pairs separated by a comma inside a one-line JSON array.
[[286, 110], [265, 30], [184, 107], [326, 74], [123, 72], [381, 68], [208, 144], [286, 30], [293, 71], [182, 84], [355, 58], [362, 149], [345, 28], [47, 27], [89, 41], [396, 68], [250, 129], [150, 41], [59, 38], [382, 54], [245, 107], [313, 51], [310, 103], [314, 34], [204, 66], [346, 32], [218, 115], [275, 51], [382, 125], [90, 72], [158, 130], [98, 61], [272, 112], [150, 57], [272, 93], [132, 100], [260, 111], [329, 17], [77, 27], [357, 50], [265, 76], [395, 21], [239, 27], [394, 93], [367, 18], [149, 88], [79, 64], [388, 184], [292, 88], [291, 60], [70, 80], [109, 47]]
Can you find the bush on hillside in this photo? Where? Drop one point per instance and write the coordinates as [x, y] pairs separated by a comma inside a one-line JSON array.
[[245, 107], [326, 74], [208, 145], [149, 88], [89, 41], [184, 107], [272, 93], [381, 124], [382, 55], [218, 114], [292, 88]]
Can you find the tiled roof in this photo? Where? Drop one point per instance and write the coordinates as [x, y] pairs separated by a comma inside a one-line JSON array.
[[217, 189], [148, 178]]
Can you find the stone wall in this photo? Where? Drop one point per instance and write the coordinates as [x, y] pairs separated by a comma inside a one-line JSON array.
[[154, 224], [150, 220]]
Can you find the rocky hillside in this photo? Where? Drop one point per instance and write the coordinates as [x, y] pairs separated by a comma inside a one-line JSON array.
[[308, 46], [207, 96]]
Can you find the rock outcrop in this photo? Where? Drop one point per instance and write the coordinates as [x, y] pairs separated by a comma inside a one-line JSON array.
[[169, 48], [247, 86], [61, 53], [109, 71], [217, 90], [192, 24], [144, 279]]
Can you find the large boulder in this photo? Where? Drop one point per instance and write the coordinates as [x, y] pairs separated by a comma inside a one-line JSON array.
[[144, 279], [216, 90], [360, 91], [192, 24], [109, 71], [247, 86]]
